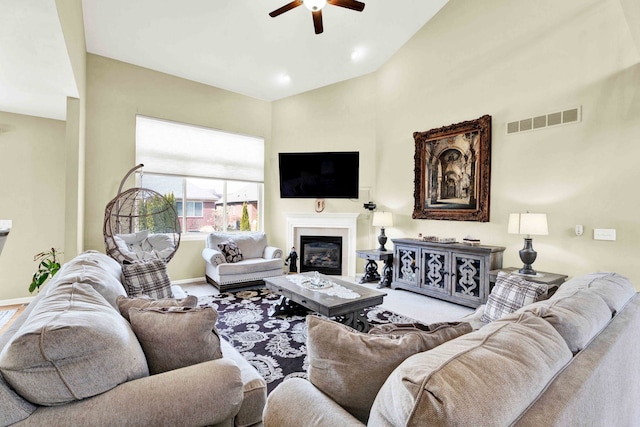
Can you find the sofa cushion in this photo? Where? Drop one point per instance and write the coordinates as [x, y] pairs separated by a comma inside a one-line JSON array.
[[510, 293], [485, 378], [125, 304], [160, 242], [108, 264], [95, 270], [250, 266], [613, 288], [147, 277], [350, 367], [73, 345], [230, 250], [175, 337], [577, 316], [134, 238], [251, 244]]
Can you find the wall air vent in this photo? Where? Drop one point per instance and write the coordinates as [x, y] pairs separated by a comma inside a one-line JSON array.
[[564, 117]]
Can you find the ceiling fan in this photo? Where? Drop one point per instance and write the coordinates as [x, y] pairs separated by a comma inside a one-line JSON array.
[[315, 6]]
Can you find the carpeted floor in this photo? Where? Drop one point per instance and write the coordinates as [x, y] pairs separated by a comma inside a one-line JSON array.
[[275, 346]]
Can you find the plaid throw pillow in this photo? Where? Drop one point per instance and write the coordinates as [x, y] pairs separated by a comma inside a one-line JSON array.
[[230, 250], [510, 293], [147, 277]]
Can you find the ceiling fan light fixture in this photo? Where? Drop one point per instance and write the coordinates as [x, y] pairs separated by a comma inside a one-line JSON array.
[[314, 5]]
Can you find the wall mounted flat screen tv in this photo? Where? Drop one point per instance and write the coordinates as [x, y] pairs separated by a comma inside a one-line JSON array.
[[319, 175]]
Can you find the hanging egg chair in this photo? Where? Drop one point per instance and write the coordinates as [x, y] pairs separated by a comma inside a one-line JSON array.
[[141, 224]]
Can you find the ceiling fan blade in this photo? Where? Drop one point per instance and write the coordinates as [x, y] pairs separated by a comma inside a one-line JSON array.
[[349, 4], [317, 21], [285, 8]]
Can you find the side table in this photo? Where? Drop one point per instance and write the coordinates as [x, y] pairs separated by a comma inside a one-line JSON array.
[[552, 280], [371, 269]]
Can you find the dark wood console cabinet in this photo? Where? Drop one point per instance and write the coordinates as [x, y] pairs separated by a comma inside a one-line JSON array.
[[452, 272]]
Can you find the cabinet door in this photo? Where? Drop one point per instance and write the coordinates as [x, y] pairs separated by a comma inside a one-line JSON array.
[[434, 271], [405, 264], [469, 277]]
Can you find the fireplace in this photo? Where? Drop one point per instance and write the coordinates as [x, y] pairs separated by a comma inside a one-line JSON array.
[[322, 254], [325, 224]]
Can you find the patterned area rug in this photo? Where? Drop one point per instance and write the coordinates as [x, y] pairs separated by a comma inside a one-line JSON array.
[[275, 346]]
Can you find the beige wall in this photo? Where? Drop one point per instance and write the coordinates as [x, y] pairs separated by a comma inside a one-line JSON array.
[[116, 93], [71, 21], [511, 60], [32, 195]]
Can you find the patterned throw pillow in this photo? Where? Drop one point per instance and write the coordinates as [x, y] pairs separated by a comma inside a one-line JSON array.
[[510, 293], [230, 250], [147, 277]]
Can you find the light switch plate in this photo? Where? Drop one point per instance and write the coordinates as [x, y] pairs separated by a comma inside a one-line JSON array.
[[604, 234]]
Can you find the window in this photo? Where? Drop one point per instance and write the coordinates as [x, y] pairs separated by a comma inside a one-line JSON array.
[[215, 177], [193, 208]]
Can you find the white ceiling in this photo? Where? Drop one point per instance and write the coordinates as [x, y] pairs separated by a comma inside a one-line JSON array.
[[230, 44], [35, 72]]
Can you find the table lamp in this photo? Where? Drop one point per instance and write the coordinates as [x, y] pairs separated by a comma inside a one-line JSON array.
[[382, 220], [529, 224]]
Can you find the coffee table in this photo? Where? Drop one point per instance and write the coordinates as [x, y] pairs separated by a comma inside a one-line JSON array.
[[347, 311]]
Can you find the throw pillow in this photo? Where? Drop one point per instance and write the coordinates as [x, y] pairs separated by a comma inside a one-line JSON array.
[[147, 277], [350, 367], [125, 304], [175, 337], [510, 293], [230, 250]]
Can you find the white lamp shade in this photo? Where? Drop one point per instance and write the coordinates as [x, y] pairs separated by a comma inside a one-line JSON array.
[[528, 223], [382, 219]]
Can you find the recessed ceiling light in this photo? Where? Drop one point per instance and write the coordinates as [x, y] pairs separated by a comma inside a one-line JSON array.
[[284, 78], [358, 54]]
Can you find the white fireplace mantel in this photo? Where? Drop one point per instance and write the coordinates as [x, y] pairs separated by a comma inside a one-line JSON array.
[[346, 221]]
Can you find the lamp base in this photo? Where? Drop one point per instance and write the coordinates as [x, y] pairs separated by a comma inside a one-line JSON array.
[[528, 256], [382, 239]]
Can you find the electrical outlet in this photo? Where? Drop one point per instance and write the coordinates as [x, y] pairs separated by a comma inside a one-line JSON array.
[[579, 230], [604, 234]]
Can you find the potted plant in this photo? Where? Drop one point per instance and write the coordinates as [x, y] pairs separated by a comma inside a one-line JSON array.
[[48, 266]]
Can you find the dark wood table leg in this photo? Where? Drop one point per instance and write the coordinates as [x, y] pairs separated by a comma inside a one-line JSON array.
[[356, 320], [387, 274], [370, 272], [286, 307]]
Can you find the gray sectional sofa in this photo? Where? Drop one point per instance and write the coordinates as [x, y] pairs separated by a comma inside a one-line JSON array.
[[71, 359], [567, 361]]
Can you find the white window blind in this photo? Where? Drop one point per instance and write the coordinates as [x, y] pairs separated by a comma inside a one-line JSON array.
[[179, 149]]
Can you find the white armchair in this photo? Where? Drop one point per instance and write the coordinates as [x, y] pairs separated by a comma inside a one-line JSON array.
[[259, 260]]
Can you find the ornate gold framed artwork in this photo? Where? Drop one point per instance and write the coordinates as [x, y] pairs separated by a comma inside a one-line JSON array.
[[453, 172]]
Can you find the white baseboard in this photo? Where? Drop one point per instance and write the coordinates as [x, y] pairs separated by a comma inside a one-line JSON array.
[[16, 301], [202, 280]]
